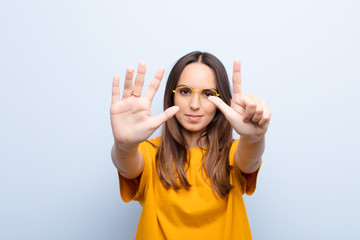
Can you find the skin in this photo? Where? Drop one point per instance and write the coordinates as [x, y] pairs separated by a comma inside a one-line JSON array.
[[248, 115], [134, 113], [198, 76], [250, 118]]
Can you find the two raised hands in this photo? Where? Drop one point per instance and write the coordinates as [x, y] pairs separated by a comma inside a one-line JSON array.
[[132, 122]]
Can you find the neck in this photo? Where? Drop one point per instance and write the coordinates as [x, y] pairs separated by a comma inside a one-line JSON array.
[[192, 138]]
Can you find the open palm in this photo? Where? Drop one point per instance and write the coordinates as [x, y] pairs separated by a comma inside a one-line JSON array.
[[131, 118]]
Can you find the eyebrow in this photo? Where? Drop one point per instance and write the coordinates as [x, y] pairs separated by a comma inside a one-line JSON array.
[[183, 85]]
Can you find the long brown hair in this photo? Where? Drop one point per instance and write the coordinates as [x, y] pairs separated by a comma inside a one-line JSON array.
[[172, 155]]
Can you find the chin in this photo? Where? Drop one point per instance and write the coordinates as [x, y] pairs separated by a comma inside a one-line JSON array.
[[193, 128]]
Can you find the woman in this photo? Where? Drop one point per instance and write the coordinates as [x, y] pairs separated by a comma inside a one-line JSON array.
[[190, 181]]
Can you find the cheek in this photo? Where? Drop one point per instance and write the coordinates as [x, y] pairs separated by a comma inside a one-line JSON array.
[[180, 112], [182, 105], [211, 109], [179, 104]]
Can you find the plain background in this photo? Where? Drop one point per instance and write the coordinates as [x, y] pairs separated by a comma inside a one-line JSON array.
[[57, 59]]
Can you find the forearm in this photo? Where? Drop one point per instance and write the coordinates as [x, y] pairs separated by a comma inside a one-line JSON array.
[[128, 160], [248, 154]]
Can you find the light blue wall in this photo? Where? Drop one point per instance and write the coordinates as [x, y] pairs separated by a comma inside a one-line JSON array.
[[57, 59]]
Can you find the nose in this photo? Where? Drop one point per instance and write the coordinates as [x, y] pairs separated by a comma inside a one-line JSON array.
[[195, 101]]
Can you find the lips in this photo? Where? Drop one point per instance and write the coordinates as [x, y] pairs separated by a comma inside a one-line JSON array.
[[193, 118]]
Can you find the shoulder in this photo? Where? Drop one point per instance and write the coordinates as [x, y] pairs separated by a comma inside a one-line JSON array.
[[150, 146], [155, 141], [136, 189]]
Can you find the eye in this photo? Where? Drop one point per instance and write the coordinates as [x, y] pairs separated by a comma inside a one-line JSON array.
[[185, 91], [208, 93]]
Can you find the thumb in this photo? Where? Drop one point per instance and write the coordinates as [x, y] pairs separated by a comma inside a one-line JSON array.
[[222, 106], [163, 117]]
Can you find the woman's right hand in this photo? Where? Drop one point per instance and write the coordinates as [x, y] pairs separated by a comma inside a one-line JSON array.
[[131, 119]]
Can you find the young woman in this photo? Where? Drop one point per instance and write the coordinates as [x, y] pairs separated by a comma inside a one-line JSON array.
[[190, 181]]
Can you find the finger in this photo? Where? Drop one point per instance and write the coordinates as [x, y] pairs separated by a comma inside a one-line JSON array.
[[266, 115], [250, 108], [163, 117], [259, 110], [115, 89], [128, 82], [237, 77], [140, 76], [154, 85], [228, 112]]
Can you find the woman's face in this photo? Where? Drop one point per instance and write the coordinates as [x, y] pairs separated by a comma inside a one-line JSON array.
[[195, 112]]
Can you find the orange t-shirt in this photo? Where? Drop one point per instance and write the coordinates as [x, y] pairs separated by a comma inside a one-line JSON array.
[[188, 214]]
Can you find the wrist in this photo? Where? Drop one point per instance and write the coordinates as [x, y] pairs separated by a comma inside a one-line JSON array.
[[252, 139], [125, 148]]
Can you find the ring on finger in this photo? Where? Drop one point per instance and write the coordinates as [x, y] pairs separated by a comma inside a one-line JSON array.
[[135, 94]]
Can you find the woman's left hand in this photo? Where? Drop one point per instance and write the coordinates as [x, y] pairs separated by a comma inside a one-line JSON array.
[[248, 115]]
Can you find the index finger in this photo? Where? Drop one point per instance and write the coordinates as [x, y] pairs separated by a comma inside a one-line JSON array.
[[154, 85], [237, 77]]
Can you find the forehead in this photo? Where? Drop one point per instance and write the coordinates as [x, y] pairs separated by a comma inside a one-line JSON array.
[[198, 76]]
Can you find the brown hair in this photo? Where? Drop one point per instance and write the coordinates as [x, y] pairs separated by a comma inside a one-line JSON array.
[[172, 155]]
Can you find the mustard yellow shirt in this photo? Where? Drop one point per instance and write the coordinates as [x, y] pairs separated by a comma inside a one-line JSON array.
[[188, 214]]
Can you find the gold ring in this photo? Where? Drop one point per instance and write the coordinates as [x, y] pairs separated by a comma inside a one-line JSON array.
[[135, 94]]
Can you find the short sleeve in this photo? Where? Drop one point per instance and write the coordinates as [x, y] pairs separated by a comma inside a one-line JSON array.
[[136, 189], [247, 182]]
